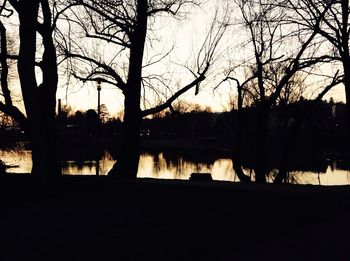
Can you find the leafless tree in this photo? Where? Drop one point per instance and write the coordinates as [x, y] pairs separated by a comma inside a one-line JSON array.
[[34, 18], [7, 106], [281, 52], [127, 26], [334, 27]]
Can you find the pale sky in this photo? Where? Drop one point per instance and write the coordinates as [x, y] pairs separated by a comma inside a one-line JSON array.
[[183, 35]]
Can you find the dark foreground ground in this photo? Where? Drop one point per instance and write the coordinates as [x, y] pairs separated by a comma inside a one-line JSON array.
[[103, 219]]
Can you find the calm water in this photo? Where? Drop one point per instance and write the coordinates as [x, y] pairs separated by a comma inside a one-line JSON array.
[[161, 167]]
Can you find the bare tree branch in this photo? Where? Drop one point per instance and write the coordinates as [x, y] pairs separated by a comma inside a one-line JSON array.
[[15, 114], [168, 103], [108, 69]]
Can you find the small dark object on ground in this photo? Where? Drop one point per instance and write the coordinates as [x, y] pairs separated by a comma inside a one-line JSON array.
[[201, 177]]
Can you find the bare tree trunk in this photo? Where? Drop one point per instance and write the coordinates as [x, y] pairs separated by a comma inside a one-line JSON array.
[[346, 66], [48, 90], [26, 71], [8, 107], [260, 157], [128, 158], [237, 142], [4, 66], [345, 55], [39, 101]]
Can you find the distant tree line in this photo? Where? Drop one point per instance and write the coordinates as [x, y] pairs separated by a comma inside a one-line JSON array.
[[320, 119]]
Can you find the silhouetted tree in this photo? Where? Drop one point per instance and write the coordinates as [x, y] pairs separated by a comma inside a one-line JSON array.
[[126, 24], [334, 27], [272, 69], [7, 106], [39, 100], [104, 114]]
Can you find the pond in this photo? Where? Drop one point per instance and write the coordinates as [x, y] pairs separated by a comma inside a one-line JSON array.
[[162, 165]]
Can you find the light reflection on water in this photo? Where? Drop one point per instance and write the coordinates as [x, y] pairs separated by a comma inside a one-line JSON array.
[[158, 166], [19, 160]]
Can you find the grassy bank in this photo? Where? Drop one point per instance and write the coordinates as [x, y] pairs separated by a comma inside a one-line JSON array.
[[102, 219]]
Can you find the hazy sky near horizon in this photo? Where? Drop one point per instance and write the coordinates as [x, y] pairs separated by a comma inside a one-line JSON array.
[[186, 36]]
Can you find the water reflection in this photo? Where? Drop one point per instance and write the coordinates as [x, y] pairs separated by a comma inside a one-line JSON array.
[[19, 160], [157, 166], [172, 166]]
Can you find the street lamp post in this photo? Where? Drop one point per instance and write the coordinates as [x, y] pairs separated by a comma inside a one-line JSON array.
[[98, 125], [98, 99]]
